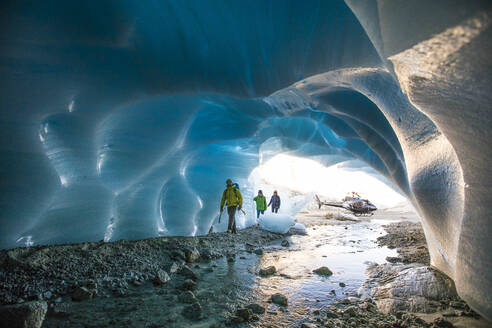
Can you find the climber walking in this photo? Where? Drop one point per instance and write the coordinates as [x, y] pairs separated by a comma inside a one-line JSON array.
[[275, 202], [234, 200], [261, 204]]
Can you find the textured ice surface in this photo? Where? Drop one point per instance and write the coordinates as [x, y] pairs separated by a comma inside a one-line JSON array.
[[123, 119]]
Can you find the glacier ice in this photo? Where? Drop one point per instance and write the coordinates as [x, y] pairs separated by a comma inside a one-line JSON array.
[[122, 120], [278, 223]]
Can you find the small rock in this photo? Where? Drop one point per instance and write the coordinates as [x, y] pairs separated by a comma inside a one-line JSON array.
[[341, 284], [279, 299], [136, 283], [187, 272], [393, 259], [330, 314], [323, 271], [351, 311], [285, 243], [30, 314], [457, 305], [177, 255], [442, 323], [188, 285], [120, 292], [256, 308], [60, 310], [193, 311], [206, 254], [161, 278], [258, 251], [191, 255], [187, 297], [82, 294], [268, 271], [449, 314], [231, 258], [48, 295], [172, 268]]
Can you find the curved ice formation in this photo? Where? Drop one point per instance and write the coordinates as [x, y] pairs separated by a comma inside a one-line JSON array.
[[123, 119]]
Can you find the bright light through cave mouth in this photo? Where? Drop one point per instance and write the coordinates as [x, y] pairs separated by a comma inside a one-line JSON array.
[[308, 176]]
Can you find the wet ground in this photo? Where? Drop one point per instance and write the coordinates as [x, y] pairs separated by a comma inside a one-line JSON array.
[[225, 278], [343, 248], [228, 283]]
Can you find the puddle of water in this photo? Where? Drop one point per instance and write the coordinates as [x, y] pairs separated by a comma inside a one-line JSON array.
[[343, 248]]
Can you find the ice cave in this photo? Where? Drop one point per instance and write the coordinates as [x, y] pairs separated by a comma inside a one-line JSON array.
[[123, 119]]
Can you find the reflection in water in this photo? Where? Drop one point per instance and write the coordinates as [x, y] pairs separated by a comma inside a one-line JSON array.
[[345, 249]]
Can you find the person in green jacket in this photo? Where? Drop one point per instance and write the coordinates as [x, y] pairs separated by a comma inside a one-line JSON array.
[[261, 204], [234, 200]]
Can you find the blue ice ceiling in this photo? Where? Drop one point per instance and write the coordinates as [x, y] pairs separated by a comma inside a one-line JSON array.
[[122, 119]]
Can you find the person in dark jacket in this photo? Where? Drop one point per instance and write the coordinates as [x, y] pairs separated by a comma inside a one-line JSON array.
[[275, 202]]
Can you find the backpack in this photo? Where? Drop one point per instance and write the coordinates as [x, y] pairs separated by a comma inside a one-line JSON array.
[[236, 187]]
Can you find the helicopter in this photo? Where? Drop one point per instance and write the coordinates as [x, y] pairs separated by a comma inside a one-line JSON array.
[[353, 203]]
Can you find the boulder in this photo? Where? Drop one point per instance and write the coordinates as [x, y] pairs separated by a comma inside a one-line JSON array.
[[323, 271], [268, 271], [412, 288], [25, 315], [285, 243]]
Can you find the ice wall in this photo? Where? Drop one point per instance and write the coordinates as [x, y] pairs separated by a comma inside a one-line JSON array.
[[122, 119]]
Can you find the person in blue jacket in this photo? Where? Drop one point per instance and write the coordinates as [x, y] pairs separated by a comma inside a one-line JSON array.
[[275, 202]]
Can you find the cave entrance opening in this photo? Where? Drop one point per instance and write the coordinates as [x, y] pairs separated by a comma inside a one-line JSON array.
[[295, 176]]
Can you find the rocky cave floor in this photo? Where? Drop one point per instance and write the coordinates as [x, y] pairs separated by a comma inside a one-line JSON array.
[[190, 282]]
